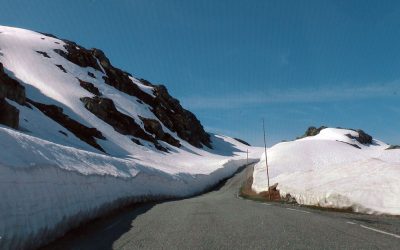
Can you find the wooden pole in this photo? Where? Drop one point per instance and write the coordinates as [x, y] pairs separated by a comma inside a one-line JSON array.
[[266, 159]]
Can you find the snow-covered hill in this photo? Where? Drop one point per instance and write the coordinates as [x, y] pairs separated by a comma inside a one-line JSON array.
[[336, 168], [79, 136]]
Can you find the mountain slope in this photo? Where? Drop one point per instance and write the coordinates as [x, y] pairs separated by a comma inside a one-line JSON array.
[[335, 168], [79, 137]]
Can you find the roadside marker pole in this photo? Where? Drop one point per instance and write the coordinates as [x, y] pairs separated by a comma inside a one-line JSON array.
[[266, 159], [247, 161]]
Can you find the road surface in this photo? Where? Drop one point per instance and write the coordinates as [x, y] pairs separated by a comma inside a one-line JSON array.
[[222, 220]]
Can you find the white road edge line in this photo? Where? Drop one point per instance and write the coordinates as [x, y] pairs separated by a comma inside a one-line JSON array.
[[350, 222], [299, 210], [380, 231]]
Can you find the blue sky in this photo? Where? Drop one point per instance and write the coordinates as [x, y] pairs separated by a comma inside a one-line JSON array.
[[232, 63]]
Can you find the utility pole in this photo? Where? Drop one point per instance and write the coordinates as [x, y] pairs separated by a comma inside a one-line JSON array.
[[266, 159]]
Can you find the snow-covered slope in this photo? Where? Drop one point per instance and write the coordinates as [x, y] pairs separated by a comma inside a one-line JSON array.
[[80, 136], [332, 169]]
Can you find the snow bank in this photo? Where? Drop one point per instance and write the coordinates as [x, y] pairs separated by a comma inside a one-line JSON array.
[[47, 188], [50, 180], [324, 170]]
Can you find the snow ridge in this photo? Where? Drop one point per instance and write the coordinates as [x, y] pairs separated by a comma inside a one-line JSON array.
[[334, 170]]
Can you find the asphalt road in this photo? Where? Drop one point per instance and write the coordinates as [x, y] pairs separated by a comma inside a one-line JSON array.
[[222, 220]]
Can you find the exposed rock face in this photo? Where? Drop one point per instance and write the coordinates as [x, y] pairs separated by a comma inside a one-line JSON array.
[[166, 108], [105, 109], [154, 127], [81, 131], [9, 115], [11, 88], [43, 53], [362, 137], [89, 87], [393, 147], [78, 55], [169, 111], [312, 131]]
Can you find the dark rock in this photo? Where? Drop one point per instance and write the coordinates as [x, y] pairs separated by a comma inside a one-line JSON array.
[[11, 88], [154, 127], [362, 137], [43, 53], [81, 131], [105, 109], [312, 131], [393, 147], [166, 108], [61, 67], [62, 132], [78, 55], [136, 141], [177, 119], [9, 115], [243, 142], [351, 144], [91, 75], [89, 87]]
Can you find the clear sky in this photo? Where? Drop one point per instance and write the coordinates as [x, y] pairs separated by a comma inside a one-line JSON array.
[[295, 63]]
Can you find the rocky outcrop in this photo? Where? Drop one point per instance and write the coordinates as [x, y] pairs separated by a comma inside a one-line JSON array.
[[89, 87], [177, 119], [166, 108], [312, 131], [105, 109], [78, 55], [393, 147], [11, 88], [362, 137], [43, 53], [81, 131], [154, 127], [9, 115]]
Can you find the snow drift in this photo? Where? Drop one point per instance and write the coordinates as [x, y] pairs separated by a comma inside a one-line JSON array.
[[81, 137], [333, 169]]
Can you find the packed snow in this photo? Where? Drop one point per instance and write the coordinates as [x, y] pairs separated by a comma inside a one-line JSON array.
[[52, 181], [325, 170]]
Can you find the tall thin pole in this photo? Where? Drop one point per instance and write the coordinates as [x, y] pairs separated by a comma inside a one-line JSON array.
[[266, 159], [247, 161]]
